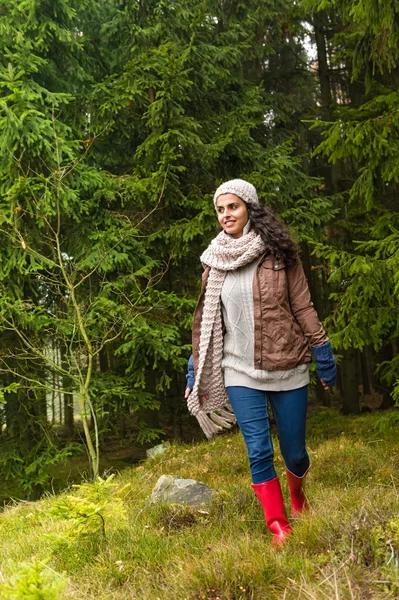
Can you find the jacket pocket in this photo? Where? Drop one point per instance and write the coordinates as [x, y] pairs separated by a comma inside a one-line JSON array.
[[290, 331], [274, 279]]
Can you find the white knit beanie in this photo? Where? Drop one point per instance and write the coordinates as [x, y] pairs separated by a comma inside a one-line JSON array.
[[243, 189]]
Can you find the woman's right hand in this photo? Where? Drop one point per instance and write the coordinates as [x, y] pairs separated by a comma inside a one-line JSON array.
[[325, 386], [190, 377]]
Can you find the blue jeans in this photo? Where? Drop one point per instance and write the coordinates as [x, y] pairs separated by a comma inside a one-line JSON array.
[[289, 410]]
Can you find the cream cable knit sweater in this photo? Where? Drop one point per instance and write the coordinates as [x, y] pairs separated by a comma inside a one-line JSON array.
[[208, 401], [238, 342]]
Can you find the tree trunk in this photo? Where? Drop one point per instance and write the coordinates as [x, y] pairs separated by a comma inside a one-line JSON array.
[[35, 493], [323, 68], [150, 416], [40, 401], [323, 397], [11, 415], [351, 404], [69, 421], [175, 407], [365, 373], [386, 354], [122, 426], [320, 23]]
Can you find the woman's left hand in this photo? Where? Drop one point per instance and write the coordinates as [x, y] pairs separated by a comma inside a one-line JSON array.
[[325, 365]]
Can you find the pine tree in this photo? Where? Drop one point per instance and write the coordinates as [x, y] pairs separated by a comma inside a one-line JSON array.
[[69, 258], [361, 141], [190, 101], [118, 120]]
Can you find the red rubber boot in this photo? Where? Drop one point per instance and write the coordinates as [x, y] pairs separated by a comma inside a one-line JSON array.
[[297, 494], [272, 502]]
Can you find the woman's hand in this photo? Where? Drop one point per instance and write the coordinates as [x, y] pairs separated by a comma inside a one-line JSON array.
[[190, 377], [326, 368], [202, 399], [323, 383]]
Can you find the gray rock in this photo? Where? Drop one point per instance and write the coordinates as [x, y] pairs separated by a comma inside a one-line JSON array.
[[156, 450], [174, 490]]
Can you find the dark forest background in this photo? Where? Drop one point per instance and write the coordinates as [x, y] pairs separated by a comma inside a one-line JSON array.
[[118, 120]]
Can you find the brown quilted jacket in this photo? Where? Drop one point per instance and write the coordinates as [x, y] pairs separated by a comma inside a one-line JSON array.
[[286, 322]]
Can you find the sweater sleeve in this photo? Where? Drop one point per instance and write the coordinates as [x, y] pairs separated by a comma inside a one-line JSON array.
[[302, 306]]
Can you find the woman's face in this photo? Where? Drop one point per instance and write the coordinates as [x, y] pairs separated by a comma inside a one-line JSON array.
[[232, 214]]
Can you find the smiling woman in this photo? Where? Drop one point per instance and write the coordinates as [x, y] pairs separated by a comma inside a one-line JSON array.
[[253, 326], [232, 214]]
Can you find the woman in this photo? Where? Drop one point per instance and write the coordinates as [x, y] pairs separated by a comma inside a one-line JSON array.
[[252, 329]]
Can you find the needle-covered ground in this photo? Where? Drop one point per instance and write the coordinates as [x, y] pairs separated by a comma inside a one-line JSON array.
[[105, 540]]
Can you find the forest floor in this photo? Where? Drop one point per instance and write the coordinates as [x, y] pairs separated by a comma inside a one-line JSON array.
[[118, 454], [106, 540]]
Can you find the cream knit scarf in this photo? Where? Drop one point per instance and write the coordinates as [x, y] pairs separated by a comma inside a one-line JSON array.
[[208, 401]]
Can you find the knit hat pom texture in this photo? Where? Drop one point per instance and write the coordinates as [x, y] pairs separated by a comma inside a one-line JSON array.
[[241, 188]]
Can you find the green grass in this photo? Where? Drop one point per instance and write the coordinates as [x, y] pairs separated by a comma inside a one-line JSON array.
[[346, 547]]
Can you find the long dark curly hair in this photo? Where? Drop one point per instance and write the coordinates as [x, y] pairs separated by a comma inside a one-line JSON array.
[[275, 235]]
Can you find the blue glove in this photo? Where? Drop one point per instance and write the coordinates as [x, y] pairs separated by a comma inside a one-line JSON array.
[[190, 373], [325, 363]]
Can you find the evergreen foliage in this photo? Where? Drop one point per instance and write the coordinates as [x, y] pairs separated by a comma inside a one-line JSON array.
[[362, 141], [118, 119], [34, 581]]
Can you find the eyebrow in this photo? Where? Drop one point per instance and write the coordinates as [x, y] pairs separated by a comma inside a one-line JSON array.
[[229, 204]]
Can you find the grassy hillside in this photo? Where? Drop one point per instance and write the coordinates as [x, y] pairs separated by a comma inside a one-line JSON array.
[[108, 542]]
